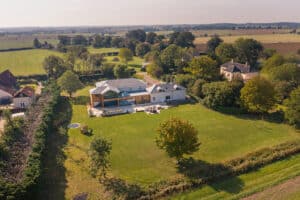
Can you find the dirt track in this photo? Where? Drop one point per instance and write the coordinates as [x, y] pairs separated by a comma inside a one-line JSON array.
[[278, 192]]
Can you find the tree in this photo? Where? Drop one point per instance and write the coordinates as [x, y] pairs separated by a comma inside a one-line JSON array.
[[258, 95], [268, 53], [54, 66], [79, 40], [213, 43], [95, 60], [36, 43], [292, 112], [182, 39], [177, 137], [203, 67], [69, 82], [99, 152], [171, 58], [222, 94], [125, 55], [287, 72], [151, 37], [197, 88], [121, 71], [155, 70], [272, 62], [137, 35], [248, 50], [142, 49], [226, 52], [117, 42], [64, 40], [98, 42]]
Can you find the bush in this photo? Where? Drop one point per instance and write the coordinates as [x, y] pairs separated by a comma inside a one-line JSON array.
[[221, 94]]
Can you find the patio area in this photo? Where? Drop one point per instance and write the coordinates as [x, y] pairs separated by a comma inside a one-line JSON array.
[[129, 109]]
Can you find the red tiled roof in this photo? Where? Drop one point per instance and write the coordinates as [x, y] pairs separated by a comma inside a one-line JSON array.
[[26, 91]]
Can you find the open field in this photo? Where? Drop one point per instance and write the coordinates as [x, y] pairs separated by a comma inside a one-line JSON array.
[[103, 50], [229, 32], [135, 156], [243, 185], [268, 38], [25, 62], [24, 41]]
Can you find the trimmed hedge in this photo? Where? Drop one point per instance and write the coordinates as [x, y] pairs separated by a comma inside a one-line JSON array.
[[27, 187]]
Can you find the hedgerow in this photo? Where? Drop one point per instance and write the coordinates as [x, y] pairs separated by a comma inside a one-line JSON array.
[[206, 173], [28, 185]]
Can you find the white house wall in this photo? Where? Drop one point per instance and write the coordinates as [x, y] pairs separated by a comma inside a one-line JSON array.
[[22, 102], [160, 97]]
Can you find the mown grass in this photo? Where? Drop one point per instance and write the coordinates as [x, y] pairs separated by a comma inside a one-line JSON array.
[[246, 184], [136, 158], [25, 62], [103, 50], [267, 38]]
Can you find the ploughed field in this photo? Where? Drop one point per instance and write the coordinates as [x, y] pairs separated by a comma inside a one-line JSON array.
[[135, 156]]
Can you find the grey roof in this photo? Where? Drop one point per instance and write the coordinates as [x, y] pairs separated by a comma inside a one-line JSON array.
[[237, 67], [164, 87], [4, 94], [118, 85]]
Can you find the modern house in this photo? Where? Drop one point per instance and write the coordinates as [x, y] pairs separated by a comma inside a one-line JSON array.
[[122, 92], [24, 97], [232, 70]]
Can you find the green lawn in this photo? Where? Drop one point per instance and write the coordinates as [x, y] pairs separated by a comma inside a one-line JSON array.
[[26, 62], [244, 185], [103, 50], [135, 156]]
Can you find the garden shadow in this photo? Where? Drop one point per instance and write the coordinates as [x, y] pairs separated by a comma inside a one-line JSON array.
[[122, 189], [211, 174], [274, 117], [53, 181]]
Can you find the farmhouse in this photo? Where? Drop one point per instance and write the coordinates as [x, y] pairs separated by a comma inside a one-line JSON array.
[[233, 70], [123, 92], [8, 86], [24, 97]]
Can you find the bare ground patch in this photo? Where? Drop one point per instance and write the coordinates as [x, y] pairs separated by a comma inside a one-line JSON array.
[[279, 192]]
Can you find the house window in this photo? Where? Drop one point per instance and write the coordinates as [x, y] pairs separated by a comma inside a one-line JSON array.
[[153, 98], [168, 98]]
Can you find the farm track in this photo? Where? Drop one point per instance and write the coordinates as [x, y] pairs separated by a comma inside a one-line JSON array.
[[20, 151]]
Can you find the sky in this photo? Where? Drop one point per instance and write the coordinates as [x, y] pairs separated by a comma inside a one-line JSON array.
[[21, 13]]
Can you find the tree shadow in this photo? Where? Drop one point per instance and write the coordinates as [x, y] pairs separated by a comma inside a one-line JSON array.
[[122, 189], [53, 180], [81, 100], [208, 173], [274, 117]]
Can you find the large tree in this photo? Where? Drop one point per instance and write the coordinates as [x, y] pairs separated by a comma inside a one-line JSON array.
[[213, 43], [226, 52], [151, 37], [36, 43], [287, 72], [142, 49], [258, 95], [79, 40], [155, 70], [182, 39], [177, 137], [292, 112], [54, 66], [222, 94], [69, 82], [99, 153], [137, 35], [171, 58], [248, 50], [203, 67], [125, 55], [122, 71], [273, 62]]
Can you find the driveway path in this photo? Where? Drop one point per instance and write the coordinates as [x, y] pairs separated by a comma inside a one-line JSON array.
[[149, 79]]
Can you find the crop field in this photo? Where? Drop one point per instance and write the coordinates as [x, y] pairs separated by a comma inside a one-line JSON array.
[[236, 32], [135, 156], [24, 41], [267, 38], [25, 62]]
